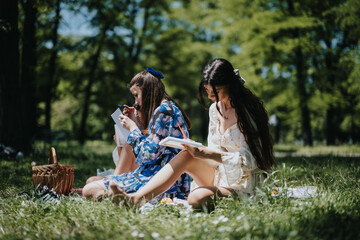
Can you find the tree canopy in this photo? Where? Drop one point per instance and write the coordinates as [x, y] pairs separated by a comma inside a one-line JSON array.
[[300, 57]]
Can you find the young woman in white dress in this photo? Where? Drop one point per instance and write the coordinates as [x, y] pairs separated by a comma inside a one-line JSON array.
[[239, 145]]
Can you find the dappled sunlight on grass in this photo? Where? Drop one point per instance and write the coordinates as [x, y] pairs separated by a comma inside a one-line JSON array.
[[333, 213], [318, 149]]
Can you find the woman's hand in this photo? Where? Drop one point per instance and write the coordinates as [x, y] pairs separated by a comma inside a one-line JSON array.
[[127, 123], [131, 113], [203, 152], [198, 152]]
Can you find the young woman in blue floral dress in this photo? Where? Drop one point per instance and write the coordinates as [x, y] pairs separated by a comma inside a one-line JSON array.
[[154, 117]]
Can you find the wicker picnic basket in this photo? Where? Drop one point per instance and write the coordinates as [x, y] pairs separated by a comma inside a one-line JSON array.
[[58, 177]]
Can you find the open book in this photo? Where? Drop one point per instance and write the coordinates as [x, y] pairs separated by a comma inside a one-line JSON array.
[[176, 142], [121, 134]]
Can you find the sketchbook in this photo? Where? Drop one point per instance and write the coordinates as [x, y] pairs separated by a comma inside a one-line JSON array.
[[122, 133], [176, 142]]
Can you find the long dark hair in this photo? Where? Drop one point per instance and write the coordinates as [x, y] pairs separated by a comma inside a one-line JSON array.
[[252, 118], [153, 92]]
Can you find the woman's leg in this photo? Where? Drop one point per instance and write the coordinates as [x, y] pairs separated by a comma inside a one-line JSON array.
[[95, 189], [205, 197], [126, 160], [200, 170], [126, 163]]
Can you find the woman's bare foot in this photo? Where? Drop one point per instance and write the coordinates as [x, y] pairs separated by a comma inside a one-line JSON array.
[[120, 196]]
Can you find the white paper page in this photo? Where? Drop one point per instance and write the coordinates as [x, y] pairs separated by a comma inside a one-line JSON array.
[[115, 116], [120, 139], [115, 155], [176, 142]]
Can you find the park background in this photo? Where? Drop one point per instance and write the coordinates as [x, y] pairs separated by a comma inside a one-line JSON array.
[[65, 64]]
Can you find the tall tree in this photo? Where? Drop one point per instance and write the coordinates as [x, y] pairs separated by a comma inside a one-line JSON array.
[[28, 69], [52, 84], [301, 72], [94, 61], [336, 41], [10, 108]]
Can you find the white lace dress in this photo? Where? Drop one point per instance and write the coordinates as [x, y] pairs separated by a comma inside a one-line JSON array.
[[238, 167]]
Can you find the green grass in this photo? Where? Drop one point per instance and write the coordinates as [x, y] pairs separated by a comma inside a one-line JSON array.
[[319, 149], [333, 214]]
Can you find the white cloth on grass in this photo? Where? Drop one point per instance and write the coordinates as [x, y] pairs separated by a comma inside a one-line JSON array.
[[296, 192]]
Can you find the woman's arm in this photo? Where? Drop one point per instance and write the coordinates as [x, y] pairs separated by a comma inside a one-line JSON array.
[[146, 148], [204, 153]]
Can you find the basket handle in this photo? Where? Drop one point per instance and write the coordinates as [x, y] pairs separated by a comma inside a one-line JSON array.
[[53, 156]]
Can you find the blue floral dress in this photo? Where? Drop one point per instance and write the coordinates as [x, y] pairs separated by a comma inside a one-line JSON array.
[[151, 157]]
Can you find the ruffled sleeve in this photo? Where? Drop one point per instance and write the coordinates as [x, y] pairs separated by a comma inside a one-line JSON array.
[[146, 148]]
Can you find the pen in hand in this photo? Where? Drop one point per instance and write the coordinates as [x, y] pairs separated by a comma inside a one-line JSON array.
[[122, 106], [182, 132]]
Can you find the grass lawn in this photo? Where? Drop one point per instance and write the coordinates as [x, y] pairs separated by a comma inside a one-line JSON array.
[[334, 213]]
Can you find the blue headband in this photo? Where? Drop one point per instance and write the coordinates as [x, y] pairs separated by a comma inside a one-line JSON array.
[[155, 73]]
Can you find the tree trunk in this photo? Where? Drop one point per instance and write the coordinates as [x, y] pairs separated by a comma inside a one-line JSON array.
[[303, 97], [277, 131], [331, 131], [301, 85], [52, 68], [85, 113], [10, 117], [28, 72]]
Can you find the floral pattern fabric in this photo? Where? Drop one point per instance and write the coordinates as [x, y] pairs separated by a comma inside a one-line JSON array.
[[151, 157]]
